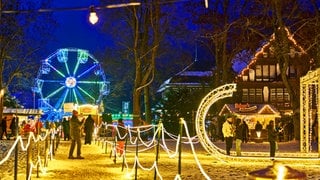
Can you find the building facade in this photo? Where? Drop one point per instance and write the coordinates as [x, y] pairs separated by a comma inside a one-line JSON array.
[[261, 82]]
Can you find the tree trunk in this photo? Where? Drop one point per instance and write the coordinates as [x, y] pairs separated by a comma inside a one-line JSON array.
[[147, 106]]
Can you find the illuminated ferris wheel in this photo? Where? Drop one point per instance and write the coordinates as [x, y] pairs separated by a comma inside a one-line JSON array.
[[70, 76]]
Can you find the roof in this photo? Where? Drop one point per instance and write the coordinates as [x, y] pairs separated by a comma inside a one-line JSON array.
[[250, 109], [22, 111], [268, 48], [195, 74]]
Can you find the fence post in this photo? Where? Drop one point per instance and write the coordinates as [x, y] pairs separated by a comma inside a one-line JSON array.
[[137, 148], [16, 150], [29, 158], [125, 149], [157, 150], [180, 142], [46, 147]]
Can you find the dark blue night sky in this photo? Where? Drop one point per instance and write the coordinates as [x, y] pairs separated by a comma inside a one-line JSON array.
[[74, 29]]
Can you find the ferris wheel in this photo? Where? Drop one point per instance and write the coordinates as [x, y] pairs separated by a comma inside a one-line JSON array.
[[70, 75]]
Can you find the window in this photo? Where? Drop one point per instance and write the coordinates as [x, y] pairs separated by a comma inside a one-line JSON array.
[[279, 95], [272, 72], [258, 73], [252, 95], [292, 72], [245, 95], [273, 97], [286, 95], [265, 72], [259, 96]]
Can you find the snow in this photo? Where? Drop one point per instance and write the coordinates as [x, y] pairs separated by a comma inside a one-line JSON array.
[[98, 165]]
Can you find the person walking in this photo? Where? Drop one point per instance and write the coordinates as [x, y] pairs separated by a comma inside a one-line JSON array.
[[228, 130], [120, 134], [88, 129], [239, 135], [75, 134], [14, 127], [245, 132], [272, 138], [258, 129], [66, 129], [3, 128]]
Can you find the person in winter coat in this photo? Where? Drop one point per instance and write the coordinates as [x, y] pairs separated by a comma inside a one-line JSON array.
[[66, 129], [120, 134], [228, 130], [245, 135], [75, 134], [239, 135], [88, 129], [272, 138], [3, 129], [258, 128]]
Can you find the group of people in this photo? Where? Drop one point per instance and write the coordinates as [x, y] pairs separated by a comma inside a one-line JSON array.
[[237, 129], [74, 133], [75, 126]]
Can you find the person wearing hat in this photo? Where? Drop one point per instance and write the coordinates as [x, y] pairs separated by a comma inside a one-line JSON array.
[[75, 135], [228, 132]]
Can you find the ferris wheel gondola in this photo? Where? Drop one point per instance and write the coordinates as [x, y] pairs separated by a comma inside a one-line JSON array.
[[70, 75]]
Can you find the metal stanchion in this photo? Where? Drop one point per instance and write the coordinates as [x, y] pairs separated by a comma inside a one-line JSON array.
[[46, 147], [16, 150], [38, 147], [180, 142], [157, 149], [29, 159], [137, 147], [124, 152]]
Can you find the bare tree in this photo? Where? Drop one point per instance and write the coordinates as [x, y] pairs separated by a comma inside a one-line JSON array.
[[17, 47]]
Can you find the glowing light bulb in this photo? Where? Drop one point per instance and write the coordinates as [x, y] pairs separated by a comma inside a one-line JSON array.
[[93, 18]]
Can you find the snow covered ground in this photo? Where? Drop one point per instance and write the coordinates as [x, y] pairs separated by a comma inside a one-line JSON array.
[[98, 165]]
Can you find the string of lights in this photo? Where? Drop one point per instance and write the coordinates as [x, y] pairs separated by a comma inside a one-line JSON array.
[[93, 17], [172, 153]]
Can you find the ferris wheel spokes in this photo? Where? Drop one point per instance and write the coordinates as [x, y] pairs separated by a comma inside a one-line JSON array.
[[87, 71], [56, 70], [86, 93], [70, 75], [55, 92]]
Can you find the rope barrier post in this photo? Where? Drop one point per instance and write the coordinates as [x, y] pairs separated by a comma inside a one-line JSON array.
[[38, 154], [106, 147], [125, 151], [16, 150], [112, 146], [28, 158], [180, 142], [53, 141], [137, 147], [50, 143], [38, 148], [46, 147], [115, 150], [157, 148]]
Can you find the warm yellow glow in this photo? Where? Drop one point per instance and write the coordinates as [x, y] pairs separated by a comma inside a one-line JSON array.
[[258, 134], [93, 18], [281, 171], [2, 92], [123, 5]]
